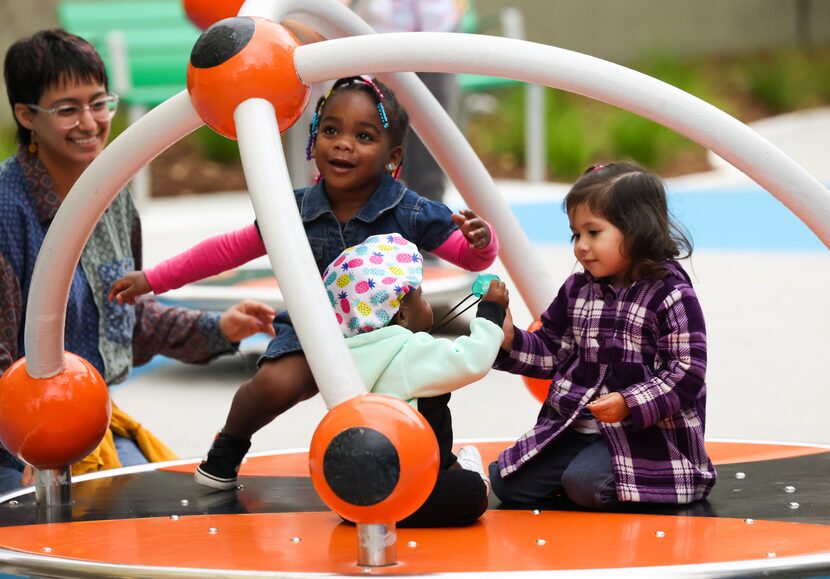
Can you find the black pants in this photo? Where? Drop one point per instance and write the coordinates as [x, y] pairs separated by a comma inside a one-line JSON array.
[[458, 499], [460, 496]]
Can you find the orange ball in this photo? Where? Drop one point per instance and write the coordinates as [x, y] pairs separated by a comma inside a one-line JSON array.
[[53, 422], [237, 59], [204, 13], [538, 387], [373, 459]]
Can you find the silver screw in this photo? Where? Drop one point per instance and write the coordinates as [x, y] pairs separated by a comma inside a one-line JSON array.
[[771, 555], [536, 511], [740, 475], [789, 489], [174, 517], [793, 506], [213, 531], [240, 487], [13, 503], [295, 539], [749, 521], [411, 544], [541, 542], [184, 502], [47, 549], [660, 534]]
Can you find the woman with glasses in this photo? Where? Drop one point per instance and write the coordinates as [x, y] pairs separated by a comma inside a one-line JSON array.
[[57, 88]]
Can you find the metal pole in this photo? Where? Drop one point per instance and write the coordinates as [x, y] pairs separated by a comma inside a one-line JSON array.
[[376, 544]]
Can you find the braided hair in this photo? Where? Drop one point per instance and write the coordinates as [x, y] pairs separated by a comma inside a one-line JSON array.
[[392, 115]]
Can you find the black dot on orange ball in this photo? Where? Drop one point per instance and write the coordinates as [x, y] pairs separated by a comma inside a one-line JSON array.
[[361, 466], [221, 41]]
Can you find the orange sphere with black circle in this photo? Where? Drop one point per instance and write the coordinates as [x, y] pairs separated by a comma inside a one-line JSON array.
[[413, 439], [240, 58], [538, 387], [53, 422], [204, 13]]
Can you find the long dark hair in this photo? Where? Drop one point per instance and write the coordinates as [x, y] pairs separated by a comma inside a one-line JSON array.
[[48, 58], [634, 201]]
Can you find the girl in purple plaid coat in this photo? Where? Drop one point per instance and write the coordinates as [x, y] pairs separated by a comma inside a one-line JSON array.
[[624, 345]]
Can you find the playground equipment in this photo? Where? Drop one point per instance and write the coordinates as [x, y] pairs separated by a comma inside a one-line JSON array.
[[248, 79]]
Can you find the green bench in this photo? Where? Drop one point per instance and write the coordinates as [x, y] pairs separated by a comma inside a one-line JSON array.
[[145, 45]]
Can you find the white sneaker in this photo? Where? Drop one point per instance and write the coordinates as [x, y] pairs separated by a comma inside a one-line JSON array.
[[470, 459]]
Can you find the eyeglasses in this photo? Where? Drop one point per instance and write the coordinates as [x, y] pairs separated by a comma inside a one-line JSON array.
[[69, 116]]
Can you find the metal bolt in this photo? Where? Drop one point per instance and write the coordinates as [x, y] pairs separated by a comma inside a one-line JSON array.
[[536, 511], [771, 555], [213, 531], [740, 475], [541, 542], [174, 517], [240, 487], [789, 489], [184, 502], [47, 549], [749, 521], [793, 506], [660, 534], [295, 539], [411, 544]]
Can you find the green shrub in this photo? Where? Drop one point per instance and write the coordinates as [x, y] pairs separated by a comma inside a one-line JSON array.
[[770, 83]]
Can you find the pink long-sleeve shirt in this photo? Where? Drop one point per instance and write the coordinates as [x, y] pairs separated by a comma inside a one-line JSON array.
[[230, 250]]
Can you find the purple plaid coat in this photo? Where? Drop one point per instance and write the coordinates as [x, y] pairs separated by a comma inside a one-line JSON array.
[[647, 342]]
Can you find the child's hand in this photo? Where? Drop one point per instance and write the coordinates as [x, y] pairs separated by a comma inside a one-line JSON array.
[[474, 228], [609, 408], [507, 328], [497, 293], [246, 319], [129, 287]]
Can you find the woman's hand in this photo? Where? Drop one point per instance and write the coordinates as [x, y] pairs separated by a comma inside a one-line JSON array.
[[246, 319], [28, 478], [474, 228], [609, 408], [129, 287]]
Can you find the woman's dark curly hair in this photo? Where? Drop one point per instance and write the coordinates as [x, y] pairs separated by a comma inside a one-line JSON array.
[[634, 201]]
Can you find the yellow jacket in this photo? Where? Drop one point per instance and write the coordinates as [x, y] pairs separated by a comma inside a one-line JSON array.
[[105, 456]]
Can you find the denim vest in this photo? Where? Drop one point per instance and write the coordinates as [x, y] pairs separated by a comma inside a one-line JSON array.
[[391, 208]]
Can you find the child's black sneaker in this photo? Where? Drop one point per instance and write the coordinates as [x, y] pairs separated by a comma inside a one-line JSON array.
[[220, 468]]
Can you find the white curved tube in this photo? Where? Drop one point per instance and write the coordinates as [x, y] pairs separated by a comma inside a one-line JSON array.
[[79, 213], [291, 259], [705, 124], [439, 133]]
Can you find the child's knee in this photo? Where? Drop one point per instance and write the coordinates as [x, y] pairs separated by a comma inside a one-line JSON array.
[[283, 382], [592, 492]]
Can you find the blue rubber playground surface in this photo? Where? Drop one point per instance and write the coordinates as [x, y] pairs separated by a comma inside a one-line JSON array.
[[719, 219]]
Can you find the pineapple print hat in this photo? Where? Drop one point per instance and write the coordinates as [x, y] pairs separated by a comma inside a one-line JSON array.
[[367, 282]]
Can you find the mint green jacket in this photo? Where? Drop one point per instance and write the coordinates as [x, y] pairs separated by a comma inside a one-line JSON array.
[[407, 365]]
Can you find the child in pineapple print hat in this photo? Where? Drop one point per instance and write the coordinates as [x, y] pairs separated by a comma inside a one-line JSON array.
[[367, 282], [375, 290]]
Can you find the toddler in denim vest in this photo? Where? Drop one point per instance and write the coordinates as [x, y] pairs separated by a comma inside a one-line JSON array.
[[355, 139]]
